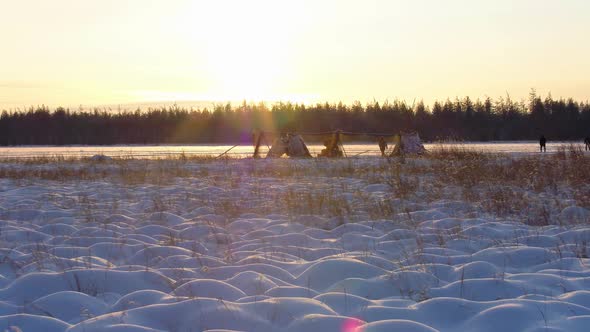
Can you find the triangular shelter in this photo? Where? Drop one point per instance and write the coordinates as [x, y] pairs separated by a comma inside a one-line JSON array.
[[290, 144], [408, 143]]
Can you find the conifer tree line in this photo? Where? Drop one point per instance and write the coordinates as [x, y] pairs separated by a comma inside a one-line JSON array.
[[459, 119]]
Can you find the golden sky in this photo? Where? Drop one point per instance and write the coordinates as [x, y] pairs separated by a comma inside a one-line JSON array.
[[109, 52]]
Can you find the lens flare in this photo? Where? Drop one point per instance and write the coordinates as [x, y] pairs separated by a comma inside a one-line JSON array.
[[352, 325]]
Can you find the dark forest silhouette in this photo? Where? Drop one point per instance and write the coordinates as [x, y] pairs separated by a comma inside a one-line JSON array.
[[459, 119]]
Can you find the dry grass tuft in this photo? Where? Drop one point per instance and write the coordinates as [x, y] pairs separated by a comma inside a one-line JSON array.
[[524, 186]]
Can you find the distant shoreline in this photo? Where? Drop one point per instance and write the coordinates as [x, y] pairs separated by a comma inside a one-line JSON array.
[[359, 142]]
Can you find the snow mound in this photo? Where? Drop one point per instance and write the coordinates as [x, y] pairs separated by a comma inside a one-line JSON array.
[[263, 246]]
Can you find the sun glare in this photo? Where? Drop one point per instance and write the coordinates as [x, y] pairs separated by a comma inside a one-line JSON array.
[[243, 74], [247, 47]]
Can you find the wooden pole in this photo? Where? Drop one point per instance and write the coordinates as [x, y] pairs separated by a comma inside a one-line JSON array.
[[257, 140], [334, 144], [358, 154], [226, 151]]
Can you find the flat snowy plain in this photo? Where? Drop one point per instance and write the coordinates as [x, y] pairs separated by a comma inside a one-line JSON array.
[[452, 242]]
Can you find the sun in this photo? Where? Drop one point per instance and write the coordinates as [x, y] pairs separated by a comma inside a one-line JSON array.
[[246, 48], [241, 73]]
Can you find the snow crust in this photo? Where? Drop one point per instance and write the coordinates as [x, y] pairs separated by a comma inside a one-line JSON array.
[[108, 256]]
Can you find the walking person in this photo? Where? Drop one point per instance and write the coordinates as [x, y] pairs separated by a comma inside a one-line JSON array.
[[382, 146], [542, 143]]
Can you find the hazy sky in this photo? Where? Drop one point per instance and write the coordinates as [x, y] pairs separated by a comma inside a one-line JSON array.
[[94, 52]]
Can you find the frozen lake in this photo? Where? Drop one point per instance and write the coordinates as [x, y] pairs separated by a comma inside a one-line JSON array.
[[155, 151]]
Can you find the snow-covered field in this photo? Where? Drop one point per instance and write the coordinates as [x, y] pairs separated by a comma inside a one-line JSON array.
[[352, 245]]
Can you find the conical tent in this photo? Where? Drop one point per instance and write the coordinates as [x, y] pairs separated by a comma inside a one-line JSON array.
[[278, 148], [292, 145], [408, 143], [332, 145]]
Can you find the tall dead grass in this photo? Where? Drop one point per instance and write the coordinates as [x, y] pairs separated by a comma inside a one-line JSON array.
[[510, 186], [499, 184]]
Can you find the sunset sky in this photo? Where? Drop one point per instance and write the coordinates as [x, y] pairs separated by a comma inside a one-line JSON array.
[[108, 52]]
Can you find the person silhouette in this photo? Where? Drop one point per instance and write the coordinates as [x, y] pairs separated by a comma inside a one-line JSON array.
[[542, 143], [587, 143], [382, 146]]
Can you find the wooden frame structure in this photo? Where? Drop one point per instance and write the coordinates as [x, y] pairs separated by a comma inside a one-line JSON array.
[[334, 146]]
